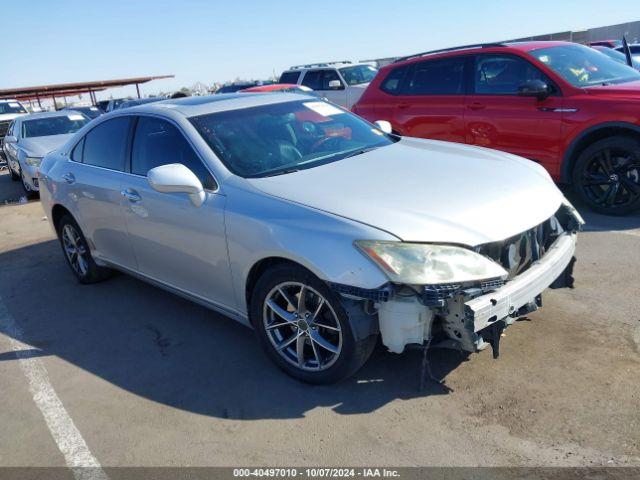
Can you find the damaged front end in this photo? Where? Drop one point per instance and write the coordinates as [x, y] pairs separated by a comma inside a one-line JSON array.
[[471, 315]]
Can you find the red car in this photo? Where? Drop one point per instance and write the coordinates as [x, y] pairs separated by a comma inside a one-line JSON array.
[[564, 105]]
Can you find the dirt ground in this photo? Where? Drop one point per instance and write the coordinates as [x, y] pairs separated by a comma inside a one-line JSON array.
[[151, 379]]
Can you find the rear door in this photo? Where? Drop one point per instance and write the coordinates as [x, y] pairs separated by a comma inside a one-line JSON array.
[[429, 102], [497, 117], [94, 177], [175, 242]]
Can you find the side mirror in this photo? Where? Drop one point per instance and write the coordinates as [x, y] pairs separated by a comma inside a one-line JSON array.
[[535, 88], [176, 178], [10, 139], [384, 126], [336, 85]]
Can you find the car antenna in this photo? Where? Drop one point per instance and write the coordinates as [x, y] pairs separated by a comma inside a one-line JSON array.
[[627, 51]]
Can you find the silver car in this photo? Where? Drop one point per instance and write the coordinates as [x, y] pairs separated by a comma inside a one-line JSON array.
[[316, 228], [30, 137]]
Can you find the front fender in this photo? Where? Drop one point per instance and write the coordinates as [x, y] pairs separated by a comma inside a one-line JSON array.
[[260, 226]]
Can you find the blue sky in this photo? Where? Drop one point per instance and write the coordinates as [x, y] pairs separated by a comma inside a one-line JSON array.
[[71, 40]]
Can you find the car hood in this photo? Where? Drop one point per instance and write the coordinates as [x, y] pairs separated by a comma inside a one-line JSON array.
[[40, 146], [629, 89], [427, 191]]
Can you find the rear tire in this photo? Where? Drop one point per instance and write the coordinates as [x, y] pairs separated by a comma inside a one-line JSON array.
[[320, 344], [607, 175], [78, 254]]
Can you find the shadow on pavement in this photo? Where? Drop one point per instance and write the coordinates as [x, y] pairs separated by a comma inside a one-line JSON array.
[[169, 350]]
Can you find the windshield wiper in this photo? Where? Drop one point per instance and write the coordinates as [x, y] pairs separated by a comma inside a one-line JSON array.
[[359, 152], [281, 172]]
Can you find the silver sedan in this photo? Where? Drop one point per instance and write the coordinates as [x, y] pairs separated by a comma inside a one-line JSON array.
[[321, 231]]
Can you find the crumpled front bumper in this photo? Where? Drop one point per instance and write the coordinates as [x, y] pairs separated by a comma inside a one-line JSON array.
[[523, 290]]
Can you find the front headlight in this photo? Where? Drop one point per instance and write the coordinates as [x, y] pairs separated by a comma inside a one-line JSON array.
[[33, 161], [424, 264]]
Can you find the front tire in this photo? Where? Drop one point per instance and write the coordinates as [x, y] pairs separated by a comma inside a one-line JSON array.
[[14, 176], [76, 251], [30, 194], [303, 327], [607, 175]]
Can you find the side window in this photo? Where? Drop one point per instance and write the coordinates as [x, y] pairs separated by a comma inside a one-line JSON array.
[[391, 84], [436, 77], [313, 79], [289, 77], [157, 142], [329, 76], [503, 74], [106, 144], [76, 153]]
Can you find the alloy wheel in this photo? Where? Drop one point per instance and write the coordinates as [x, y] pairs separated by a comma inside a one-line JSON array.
[[302, 326], [611, 178], [75, 250]]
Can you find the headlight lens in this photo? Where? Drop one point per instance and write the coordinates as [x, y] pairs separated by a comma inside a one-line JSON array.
[[33, 161], [423, 264]]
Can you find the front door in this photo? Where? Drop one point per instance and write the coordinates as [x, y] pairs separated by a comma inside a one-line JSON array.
[[319, 80], [497, 117], [175, 242]]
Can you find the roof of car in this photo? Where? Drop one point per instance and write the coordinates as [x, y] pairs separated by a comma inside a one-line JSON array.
[[35, 116], [192, 106], [524, 46]]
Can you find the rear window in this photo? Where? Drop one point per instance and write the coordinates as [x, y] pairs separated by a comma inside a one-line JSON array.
[[289, 77], [436, 77], [391, 84]]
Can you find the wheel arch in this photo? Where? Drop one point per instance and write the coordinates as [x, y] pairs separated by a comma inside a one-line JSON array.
[[57, 212], [589, 136]]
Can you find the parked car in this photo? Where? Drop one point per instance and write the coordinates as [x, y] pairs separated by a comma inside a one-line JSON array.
[[313, 226], [30, 137], [9, 110], [635, 52], [566, 106], [137, 101], [340, 82], [102, 105], [89, 111], [616, 55], [236, 87]]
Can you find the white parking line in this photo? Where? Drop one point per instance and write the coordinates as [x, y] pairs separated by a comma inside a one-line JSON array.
[[76, 453]]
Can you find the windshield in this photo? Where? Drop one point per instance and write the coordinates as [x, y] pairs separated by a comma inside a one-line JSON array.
[[43, 127], [583, 66], [283, 137], [11, 107], [358, 74]]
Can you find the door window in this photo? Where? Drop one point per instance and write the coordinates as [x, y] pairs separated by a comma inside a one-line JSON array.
[[436, 77], [157, 142], [313, 79], [289, 77], [329, 76], [392, 83], [105, 145], [503, 74]]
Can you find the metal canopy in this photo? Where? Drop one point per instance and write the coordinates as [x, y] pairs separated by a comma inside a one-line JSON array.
[[68, 89]]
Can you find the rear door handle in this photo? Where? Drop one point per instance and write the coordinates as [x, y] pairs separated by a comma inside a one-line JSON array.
[[476, 106], [131, 195], [404, 105], [69, 178]]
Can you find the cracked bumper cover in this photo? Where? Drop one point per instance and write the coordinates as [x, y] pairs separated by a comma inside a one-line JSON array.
[[522, 290]]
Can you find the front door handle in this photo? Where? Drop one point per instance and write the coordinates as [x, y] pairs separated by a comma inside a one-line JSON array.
[[404, 105], [476, 106], [131, 195], [69, 178]]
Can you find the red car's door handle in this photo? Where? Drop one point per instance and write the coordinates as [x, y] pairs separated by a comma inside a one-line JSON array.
[[476, 106], [404, 105]]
